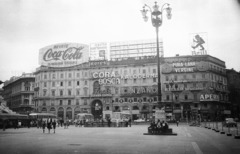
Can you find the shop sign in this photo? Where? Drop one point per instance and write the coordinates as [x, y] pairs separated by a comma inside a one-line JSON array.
[[98, 63], [209, 97], [110, 78], [63, 55], [182, 88]]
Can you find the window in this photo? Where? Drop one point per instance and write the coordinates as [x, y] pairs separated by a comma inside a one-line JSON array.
[[85, 91], [195, 105], [176, 86], [125, 99], [85, 82], [203, 76], [78, 75], [154, 99], [69, 102], [116, 90], [70, 75], [194, 76], [135, 99], [154, 70], [53, 84], [175, 77], [167, 97], [61, 76], [44, 103], [154, 79], [54, 76], [167, 86], [69, 83], [194, 85], [167, 78], [85, 102], [185, 85], [186, 97], [69, 92], [45, 76], [125, 81], [184, 76], [78, 83], [144, 71], [77, 101], [144, 99], [53, 92], [61, 92], [134, 80], [144, 80], [45, 84], [78, 92], [116, 99], [44, 92], [60, 102], [61, 83]]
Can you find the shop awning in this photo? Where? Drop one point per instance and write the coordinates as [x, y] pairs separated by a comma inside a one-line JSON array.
[[12, 116]]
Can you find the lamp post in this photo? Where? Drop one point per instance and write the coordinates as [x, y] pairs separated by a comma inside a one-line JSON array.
[[157, 19], [171, 84]]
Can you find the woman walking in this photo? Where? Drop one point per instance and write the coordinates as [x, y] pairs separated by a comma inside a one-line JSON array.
[[54, 125], [49, 124], [43, 126]]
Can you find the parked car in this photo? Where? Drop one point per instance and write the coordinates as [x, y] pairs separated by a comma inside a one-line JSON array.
[[229, 122]]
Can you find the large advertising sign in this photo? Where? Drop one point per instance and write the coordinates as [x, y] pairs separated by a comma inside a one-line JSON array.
[[198, 43], [209, 97], [63, 55], [98, 51]]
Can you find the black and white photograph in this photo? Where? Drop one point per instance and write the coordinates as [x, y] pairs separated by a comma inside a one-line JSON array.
[[119, 76]]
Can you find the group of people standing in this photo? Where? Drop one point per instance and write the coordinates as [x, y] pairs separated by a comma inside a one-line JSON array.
[[157, 127], [51, 124]]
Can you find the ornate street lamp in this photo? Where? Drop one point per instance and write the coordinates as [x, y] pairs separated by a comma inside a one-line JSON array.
[[157, 19]]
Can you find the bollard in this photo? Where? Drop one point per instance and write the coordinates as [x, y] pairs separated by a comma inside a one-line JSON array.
[[237, 136], [216, 127], [229, 134], [222, 132]]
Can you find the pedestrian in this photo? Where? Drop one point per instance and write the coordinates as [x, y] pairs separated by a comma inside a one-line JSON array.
[[43, 126], [4, 124], [130, 122], [109, 122], [177, 122], [49, 124], [54, 125]]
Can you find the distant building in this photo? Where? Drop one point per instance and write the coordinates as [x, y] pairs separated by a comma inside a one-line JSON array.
[[18, 93], [234, 88]]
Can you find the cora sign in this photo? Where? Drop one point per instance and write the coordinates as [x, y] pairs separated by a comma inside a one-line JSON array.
[[63, 55]]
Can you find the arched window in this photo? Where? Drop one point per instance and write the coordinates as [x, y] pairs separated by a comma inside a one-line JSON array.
[[44, 110], [96, 87], [60, 113], [69, 113], [52, 110], [135, 108]]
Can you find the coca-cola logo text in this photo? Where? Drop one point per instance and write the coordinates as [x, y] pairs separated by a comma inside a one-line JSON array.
[[71, 53]]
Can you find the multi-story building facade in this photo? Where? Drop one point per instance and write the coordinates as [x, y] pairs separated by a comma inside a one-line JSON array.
[[195, 85], [18, 93], [190, 85], [233, 78]]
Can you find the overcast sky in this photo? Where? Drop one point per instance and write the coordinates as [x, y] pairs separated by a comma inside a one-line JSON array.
[[28, 25]]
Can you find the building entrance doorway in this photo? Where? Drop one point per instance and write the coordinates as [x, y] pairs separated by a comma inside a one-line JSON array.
[[97, 109]]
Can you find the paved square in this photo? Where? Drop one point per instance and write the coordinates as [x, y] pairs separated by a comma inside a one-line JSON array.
[[115, 140]]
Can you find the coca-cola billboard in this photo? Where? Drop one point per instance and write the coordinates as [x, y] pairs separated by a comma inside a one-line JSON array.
[[64, 55]]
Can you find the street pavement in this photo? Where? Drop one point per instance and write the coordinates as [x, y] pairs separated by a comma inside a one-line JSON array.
[[128, 140]]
